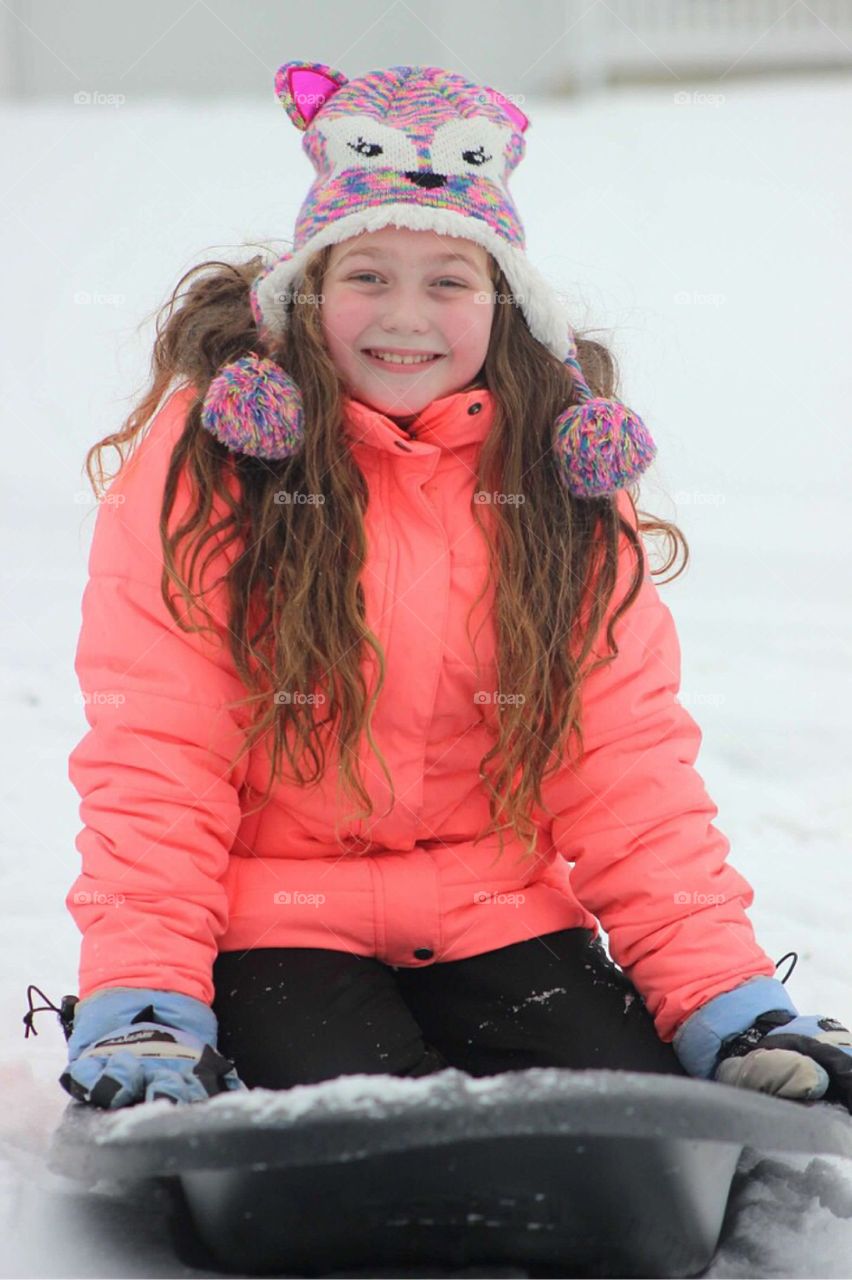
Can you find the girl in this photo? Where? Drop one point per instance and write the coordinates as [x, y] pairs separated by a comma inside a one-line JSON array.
[[383, 524]]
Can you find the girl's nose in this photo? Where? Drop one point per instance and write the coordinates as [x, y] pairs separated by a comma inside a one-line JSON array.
[[404, 310]]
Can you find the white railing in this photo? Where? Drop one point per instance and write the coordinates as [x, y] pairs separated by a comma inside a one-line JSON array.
[[625, 39]]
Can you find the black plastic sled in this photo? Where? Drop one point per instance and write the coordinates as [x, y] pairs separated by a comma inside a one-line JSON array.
[[558, 1172]]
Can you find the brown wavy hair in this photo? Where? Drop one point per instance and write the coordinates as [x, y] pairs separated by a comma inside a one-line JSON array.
[[296, 607]]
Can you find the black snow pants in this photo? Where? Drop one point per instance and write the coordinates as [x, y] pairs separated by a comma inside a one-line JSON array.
[[298, 1015]]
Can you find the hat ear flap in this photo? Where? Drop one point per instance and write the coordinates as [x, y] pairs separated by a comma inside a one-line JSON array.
[[303, 87]]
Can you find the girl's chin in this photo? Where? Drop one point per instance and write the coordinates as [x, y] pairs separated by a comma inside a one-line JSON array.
[[395, 401], [395, 406]]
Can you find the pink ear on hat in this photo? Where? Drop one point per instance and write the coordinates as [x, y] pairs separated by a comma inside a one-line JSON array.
[[303, 87], [519, 120]]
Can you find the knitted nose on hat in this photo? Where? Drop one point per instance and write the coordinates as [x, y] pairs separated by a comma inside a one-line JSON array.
[[423, 148]]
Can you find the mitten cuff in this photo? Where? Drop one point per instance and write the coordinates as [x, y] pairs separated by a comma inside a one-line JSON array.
[[113, 1007], [698, 1040]]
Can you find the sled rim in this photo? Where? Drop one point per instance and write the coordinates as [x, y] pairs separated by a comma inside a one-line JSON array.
[[311, 1124]]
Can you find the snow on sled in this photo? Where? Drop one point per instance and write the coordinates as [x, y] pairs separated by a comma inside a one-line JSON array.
[[585, 1173]]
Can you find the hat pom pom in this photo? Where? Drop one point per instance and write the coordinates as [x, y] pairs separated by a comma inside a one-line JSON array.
[[600, 446], [252, 406]]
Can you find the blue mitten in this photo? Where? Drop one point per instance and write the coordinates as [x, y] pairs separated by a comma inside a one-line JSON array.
[[754, 1037], [132, 1044]]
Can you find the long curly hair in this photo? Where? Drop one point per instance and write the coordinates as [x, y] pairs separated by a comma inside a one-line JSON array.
[[295, 604]]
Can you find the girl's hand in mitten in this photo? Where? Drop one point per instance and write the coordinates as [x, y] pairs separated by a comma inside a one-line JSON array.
[[804, 1057], [755, 1038], [131, 1044]]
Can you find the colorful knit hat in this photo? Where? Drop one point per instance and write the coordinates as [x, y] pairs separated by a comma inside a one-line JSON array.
[[423, 148]]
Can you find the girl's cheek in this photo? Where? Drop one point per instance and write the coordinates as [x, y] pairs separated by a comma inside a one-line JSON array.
[[336, 324], [346, 315], [473, 323]]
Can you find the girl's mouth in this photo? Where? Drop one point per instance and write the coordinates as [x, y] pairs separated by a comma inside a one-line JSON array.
[[399, 363]]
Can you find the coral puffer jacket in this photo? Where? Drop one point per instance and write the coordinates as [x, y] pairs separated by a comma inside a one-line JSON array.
[[172, 870]]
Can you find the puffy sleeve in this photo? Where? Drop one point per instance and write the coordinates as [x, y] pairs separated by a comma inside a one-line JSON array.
[[635, 819], [159, 797]]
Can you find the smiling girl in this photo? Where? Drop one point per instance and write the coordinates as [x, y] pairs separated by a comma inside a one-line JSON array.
[[379, 540]]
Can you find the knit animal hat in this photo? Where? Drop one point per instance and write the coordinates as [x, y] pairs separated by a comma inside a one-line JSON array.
[[426, 149]]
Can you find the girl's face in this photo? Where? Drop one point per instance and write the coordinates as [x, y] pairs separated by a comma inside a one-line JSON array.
[[407, 292]]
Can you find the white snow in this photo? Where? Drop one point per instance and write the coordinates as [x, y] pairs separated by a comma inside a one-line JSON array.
[[711, 243]]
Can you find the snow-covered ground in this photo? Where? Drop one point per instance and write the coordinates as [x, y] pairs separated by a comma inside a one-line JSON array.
[[710, 239]]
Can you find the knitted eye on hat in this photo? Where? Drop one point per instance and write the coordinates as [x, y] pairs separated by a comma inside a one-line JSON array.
[[423, 148]]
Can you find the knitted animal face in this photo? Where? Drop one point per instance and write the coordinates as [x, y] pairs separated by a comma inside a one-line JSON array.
[[417, 136]]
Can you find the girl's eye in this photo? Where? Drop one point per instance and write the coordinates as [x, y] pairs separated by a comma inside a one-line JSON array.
[[364, 275]]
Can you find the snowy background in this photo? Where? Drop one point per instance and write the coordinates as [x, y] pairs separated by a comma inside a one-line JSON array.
[[710, 240]]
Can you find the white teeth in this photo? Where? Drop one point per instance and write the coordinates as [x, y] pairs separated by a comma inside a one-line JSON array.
[[393, 359]]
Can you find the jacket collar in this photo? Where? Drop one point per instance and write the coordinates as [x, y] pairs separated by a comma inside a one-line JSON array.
[[463, 417]]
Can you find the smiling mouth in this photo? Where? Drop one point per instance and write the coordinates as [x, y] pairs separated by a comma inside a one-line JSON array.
[[399, 360]]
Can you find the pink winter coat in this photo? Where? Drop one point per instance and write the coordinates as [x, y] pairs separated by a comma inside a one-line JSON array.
[[172, 871]]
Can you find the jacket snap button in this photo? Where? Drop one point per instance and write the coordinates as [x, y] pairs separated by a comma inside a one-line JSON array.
[[474, 408], [423, 953]]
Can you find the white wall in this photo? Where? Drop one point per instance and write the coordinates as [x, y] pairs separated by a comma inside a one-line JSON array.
[[215, 47], [138, 48]]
